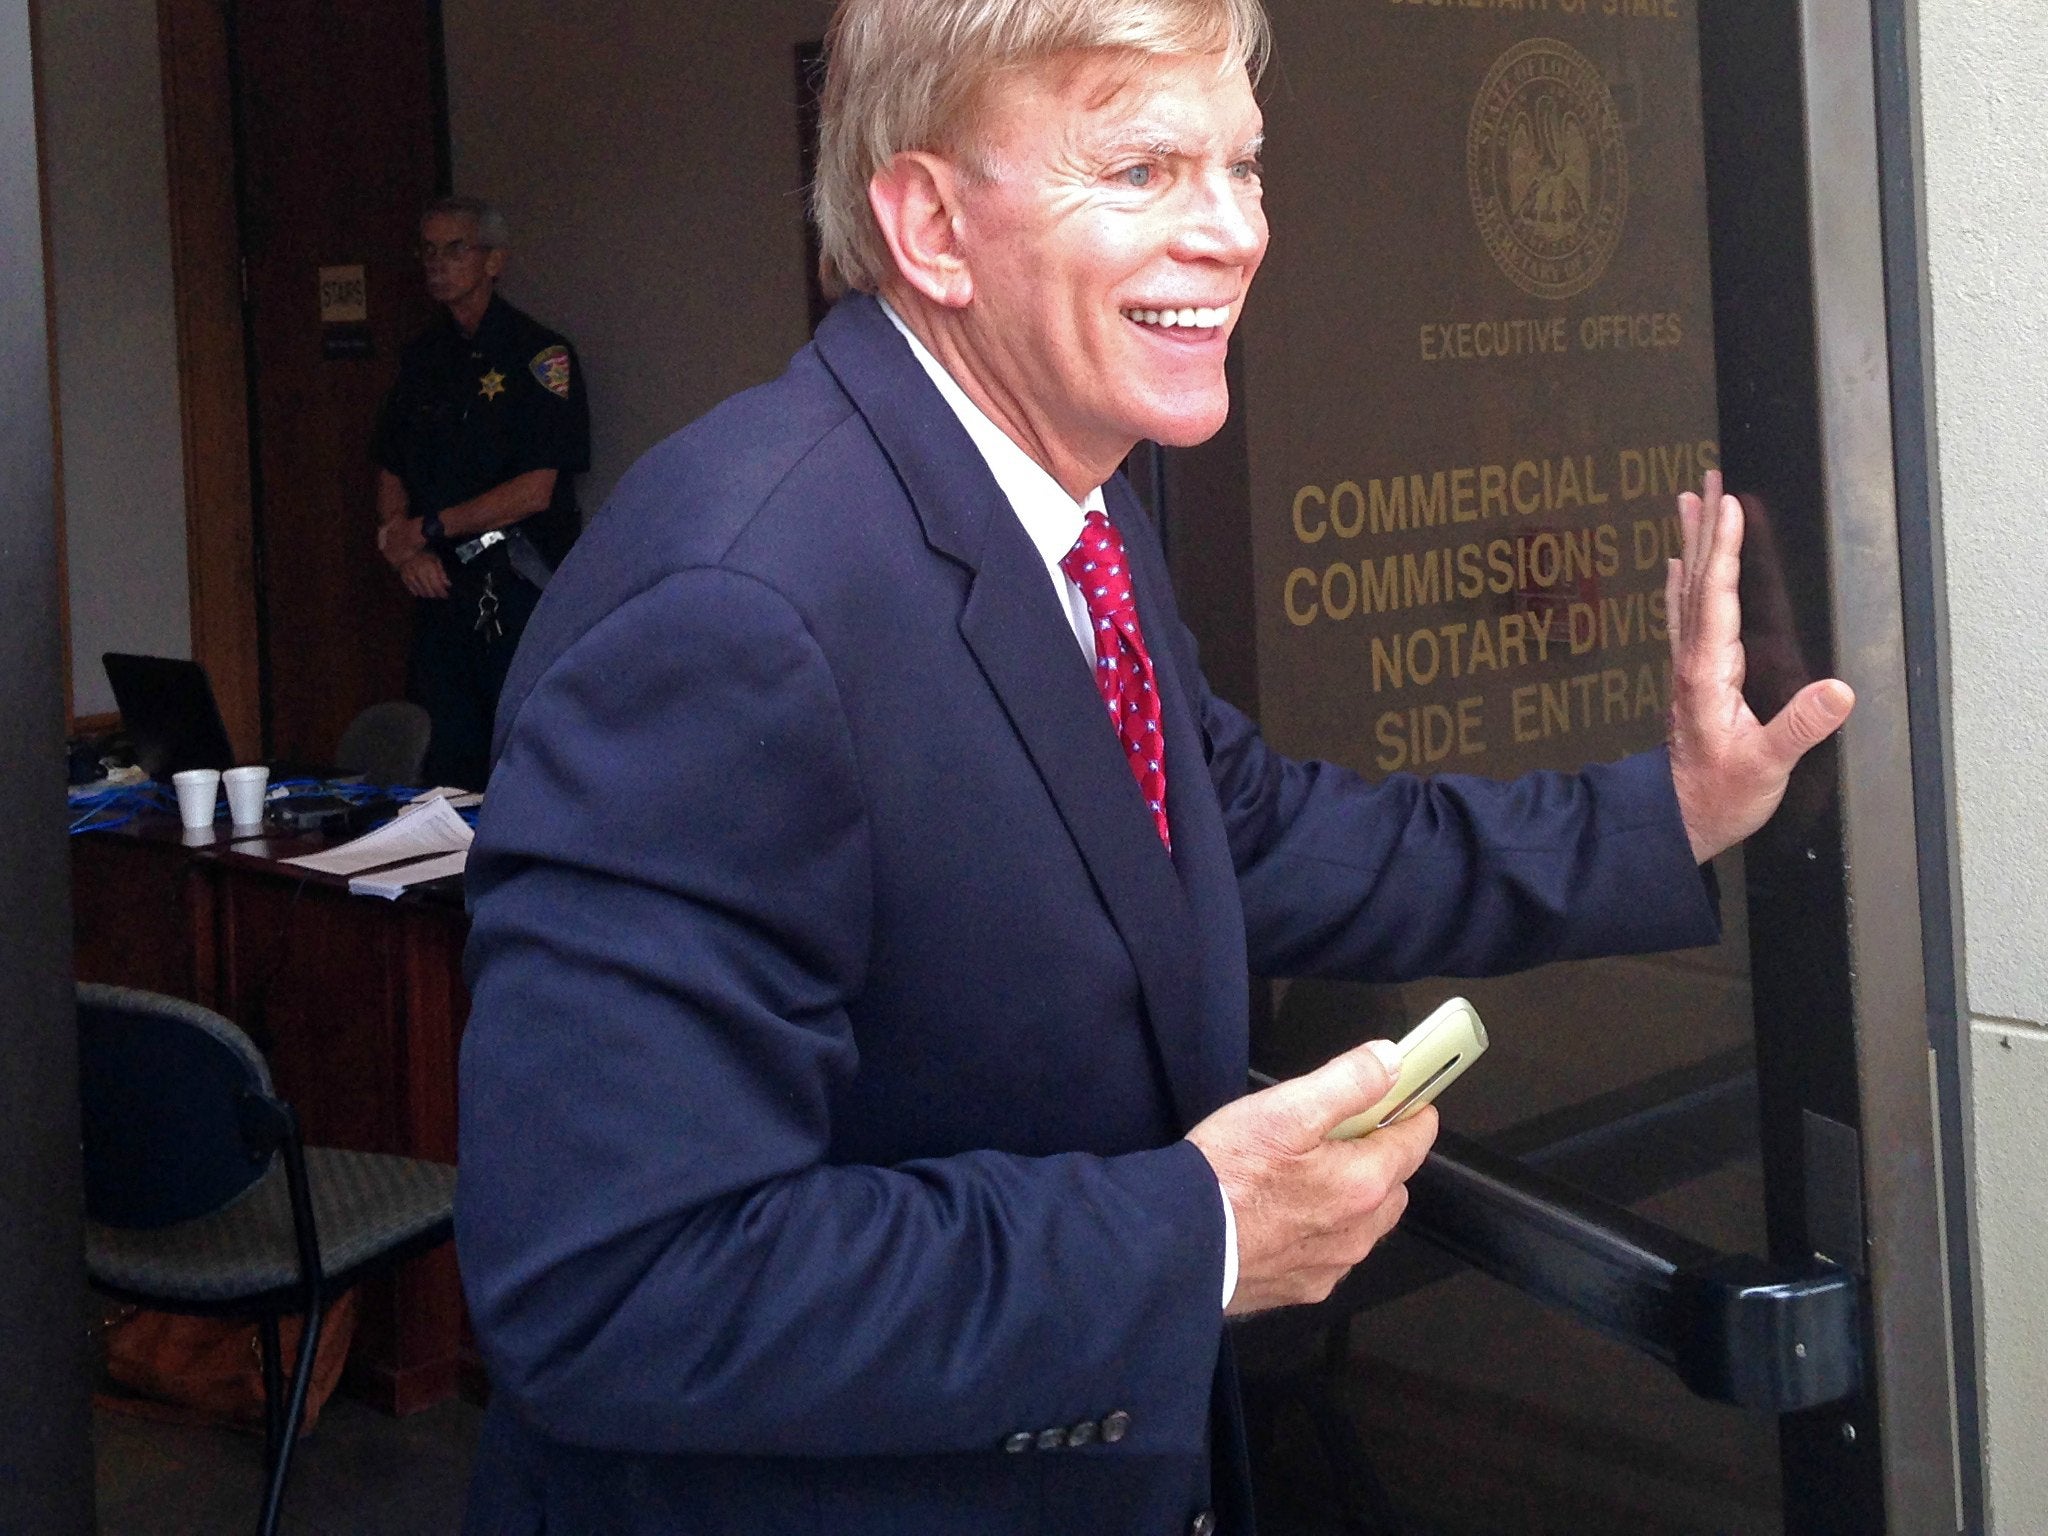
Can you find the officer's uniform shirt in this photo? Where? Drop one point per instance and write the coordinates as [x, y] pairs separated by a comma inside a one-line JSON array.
[[471, 412]]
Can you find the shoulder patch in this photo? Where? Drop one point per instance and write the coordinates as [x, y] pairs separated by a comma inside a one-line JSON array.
[[551, 366]]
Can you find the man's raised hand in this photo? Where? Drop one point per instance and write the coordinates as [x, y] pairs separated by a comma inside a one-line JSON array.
[[1729, 768], [1309, 1208]]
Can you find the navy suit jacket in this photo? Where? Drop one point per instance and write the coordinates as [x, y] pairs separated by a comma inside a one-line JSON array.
[[838, 1013]]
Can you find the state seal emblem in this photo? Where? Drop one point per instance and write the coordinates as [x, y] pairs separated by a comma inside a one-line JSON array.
[[1547, 168]]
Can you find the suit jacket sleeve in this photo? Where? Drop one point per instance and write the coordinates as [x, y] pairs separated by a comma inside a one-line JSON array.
[[671, 913], [1451, 875]]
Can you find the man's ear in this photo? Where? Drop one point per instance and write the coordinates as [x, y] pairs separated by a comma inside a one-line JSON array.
[[916, 202], [494, 262]]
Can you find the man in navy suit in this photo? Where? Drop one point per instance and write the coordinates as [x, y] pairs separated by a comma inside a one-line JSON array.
[[854, 1135]]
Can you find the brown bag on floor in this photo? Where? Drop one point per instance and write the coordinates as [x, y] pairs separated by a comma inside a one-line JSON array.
[[209, 1370]]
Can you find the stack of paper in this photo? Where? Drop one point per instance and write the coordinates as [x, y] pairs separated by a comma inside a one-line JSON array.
[[428, 841], [392, 883], [461, 799]]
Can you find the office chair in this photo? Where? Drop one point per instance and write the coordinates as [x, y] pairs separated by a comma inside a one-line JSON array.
[[386, 743], [200, 1197]]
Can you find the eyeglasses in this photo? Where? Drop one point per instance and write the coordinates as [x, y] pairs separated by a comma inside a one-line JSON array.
[[454, 250]]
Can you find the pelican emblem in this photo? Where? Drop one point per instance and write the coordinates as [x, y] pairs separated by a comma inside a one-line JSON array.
[[1550, 170], [1547, 168]]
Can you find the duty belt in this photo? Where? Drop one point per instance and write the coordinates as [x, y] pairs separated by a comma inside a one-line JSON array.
[[476, 546]]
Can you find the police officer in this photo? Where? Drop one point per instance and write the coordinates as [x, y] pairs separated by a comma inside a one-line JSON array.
[[476, 446]]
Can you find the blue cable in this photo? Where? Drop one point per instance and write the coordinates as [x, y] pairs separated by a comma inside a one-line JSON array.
[[128, 799], [80, 825]]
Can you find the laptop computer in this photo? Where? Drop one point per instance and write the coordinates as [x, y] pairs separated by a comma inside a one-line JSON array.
[[173, 721], [168, 709]]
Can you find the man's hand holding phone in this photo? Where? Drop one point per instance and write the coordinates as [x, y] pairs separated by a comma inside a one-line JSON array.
[[1316, 1169], [1309, 1208]]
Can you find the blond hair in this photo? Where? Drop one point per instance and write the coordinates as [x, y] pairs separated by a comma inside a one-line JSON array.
[[906, 75]]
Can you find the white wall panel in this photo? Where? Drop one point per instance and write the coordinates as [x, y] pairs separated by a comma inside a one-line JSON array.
[[1985, 118], [117, 347]]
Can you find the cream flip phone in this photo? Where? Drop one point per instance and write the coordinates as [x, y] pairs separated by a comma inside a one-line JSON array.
[[1433, 1054]]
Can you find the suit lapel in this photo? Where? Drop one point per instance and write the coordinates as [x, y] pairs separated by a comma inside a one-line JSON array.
[[1021, 640], [1206, 877], [1028, 654], [930, 451]]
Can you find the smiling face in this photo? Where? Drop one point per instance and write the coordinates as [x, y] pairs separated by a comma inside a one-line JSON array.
[[1107, 253]]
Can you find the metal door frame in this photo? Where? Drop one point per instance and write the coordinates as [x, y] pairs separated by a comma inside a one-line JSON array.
[[1820, 324], [44, 1412]]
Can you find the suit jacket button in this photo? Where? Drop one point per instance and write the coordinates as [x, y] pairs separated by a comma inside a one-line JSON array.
[[1205, 1524], [1051, 1439], [1083, 1432], [1020, 1441], [1115, 1426]]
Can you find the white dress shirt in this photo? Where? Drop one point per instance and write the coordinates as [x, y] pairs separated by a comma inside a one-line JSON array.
[[1052, 521]]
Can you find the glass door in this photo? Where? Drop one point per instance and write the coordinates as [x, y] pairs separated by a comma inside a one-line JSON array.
[[1528, 282]]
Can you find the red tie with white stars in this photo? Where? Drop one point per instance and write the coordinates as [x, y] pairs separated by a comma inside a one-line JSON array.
[[1123, 668]]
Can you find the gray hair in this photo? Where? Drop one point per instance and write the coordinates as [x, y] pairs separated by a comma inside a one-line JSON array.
[[907, 75], [491, 232]]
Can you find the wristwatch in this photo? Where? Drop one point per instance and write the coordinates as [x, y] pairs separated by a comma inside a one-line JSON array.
[[430, 530]]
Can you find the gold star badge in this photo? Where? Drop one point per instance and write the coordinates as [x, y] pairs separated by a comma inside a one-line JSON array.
[[493, 385]]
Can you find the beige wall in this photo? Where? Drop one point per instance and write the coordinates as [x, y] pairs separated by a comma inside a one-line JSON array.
[[646, 154], [117, 352], [1985, 118]]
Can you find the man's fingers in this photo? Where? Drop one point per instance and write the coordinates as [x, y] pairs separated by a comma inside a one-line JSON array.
[[424, 577], [1674, 599], [1710, 510], [1699, 518], [1815, 713], [1688, 528], [1365, 1182], [1729, 523], [1407, 1142], [1391, 1210], [1696, 516], [1341, 1087], [1719, 605]]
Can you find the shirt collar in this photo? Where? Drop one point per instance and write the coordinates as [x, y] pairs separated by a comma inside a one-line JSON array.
[[1051, 518]]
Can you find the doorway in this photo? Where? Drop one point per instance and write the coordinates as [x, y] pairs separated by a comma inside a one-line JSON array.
[[1535, 270]]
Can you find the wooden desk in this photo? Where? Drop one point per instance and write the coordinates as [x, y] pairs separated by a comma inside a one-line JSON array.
[[358, 1003]]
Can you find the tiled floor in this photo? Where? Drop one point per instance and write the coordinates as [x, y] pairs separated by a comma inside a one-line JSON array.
[[359, 1474]]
